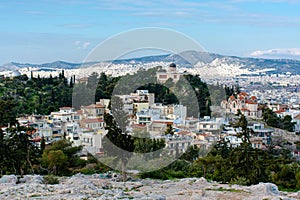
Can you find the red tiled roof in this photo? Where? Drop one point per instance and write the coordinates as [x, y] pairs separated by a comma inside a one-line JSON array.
[[243, 93], [279, 111], [163, 122], [297, 116], [244, 109], [232, 97], [91, 120], [65, 108], [94, 106], [37, 139], [79, 112], [253, 98], [183, 132]]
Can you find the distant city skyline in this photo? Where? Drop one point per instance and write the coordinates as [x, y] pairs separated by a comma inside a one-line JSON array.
[[49, 30]]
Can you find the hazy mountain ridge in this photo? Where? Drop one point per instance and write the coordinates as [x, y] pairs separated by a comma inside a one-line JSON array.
[[187, 59]]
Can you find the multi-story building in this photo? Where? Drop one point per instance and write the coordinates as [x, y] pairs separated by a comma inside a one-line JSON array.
[[92, 123], [65, 114], [92, 141], [208, 124], [93, 110]]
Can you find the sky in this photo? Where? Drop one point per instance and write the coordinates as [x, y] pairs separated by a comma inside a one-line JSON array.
[[49, 30]]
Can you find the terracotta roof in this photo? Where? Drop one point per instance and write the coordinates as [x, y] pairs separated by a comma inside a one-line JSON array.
[[297, 116], [243, 93], [163, 122], [92, 120], [37, 139], [65, 108], [184, 133], [79, 112], [232, 97], [253, 98], [279, 111], [94, 106], [244, 109]]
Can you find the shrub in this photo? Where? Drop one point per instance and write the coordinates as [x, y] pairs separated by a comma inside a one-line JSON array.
[[50, 180]]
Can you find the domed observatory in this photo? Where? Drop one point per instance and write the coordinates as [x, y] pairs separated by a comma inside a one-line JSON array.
[[171, 73], [172, 67]]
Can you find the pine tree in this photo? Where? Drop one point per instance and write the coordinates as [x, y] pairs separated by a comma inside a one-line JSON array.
[[117, 142], [244, 134], [43, 144]]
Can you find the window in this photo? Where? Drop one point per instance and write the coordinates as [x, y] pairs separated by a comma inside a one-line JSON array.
[[163, 76]]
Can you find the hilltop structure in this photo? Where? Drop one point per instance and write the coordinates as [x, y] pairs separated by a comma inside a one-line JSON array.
[[171, 73]]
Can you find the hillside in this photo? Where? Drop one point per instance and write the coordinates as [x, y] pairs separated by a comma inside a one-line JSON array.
[[188, 60]]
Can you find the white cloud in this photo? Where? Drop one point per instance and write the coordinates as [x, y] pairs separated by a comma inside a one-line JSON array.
[[77, 43], [82, 45], [290, 53], [85, 45]]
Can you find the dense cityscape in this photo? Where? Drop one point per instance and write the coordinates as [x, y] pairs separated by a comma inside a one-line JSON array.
[[151, 100], [238, 123]]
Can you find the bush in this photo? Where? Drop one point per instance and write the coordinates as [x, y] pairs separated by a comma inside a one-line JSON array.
[[240, 181], [50, 180]]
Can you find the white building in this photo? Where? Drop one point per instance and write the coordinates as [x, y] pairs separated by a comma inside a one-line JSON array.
[[208, 124], [92, 141], [171, 73], [65, 114]]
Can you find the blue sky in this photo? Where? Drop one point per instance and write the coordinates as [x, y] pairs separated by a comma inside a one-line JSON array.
[[49, 30]]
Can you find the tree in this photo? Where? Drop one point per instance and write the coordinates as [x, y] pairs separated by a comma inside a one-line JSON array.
[[239, 113], [67, 157], [148, 147], [288, 124], [56, 159], [22, 152], [244, 134], [43, 144], [191, 154], [169, 130], [7, 112], [117, 142], [93, 81], [273, 120]]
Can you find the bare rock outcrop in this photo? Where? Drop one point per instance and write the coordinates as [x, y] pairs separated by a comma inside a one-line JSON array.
[[94, 187]]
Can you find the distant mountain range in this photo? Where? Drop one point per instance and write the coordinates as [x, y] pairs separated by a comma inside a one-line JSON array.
[[187, 59]]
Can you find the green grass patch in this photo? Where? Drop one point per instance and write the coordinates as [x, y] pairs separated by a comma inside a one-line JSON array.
[[287, 189]]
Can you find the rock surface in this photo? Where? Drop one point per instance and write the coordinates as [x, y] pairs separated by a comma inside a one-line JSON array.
[[93, 187]]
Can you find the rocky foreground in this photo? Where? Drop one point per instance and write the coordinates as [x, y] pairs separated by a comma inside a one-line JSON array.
[[93, 187]]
